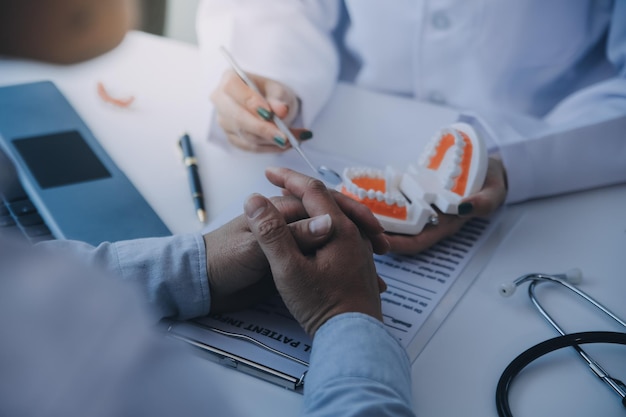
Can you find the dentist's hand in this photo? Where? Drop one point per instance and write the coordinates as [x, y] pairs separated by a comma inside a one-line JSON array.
[[481, 204], [246, 117], [338, 277]]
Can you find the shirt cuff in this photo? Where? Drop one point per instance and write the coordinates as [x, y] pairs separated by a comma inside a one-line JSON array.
[[354, 352], [171, 271]]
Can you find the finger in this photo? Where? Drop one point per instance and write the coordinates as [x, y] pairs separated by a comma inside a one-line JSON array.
[[233, 93], [237, 122], [362, 217], [302, 134], [279, 108], [311, 234], [382, 285], [253, 144], [318, 200], [276, 98], [282, 100], [290, 207], [412, 244], [244, 96], [359, 213], [365, 220], [271, 231], [493, 193], [315, 196], [380, 243]]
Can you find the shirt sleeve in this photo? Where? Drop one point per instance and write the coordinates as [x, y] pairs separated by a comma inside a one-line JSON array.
[[288, 41], [579, 145], [357, 369], [170, 271]]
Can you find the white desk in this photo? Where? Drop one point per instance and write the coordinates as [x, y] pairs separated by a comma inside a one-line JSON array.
[[457, 372]]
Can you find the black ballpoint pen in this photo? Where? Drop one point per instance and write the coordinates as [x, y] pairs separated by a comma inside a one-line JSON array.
[[191, 163]]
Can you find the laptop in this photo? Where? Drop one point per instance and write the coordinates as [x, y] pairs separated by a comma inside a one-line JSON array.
[[56, 180]]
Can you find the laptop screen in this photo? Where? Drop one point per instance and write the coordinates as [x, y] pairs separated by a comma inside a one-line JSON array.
[[60, 159]]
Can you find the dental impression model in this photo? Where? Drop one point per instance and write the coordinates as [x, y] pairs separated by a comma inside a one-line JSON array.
[[452, 166]]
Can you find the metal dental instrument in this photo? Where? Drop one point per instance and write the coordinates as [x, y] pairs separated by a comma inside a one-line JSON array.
[[326, 174]]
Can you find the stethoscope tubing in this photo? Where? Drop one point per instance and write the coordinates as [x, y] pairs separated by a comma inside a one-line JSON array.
[[543, 348], [564, 340]]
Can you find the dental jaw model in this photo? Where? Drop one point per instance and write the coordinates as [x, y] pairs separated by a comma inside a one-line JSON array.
[[452, 166]]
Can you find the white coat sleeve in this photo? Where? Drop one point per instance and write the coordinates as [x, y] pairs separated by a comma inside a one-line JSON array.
[[285, 40], [579, 145]]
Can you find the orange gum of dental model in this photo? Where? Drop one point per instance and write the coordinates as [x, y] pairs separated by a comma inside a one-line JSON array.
[[377, 207], [446, 143]]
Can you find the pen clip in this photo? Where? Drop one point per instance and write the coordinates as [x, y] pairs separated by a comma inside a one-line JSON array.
[[186, 151], [179, 146]]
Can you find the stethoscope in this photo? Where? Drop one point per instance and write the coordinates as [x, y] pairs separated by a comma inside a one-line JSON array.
[[567, 280]]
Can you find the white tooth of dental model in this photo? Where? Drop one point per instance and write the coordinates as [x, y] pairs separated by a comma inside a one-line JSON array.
[[452, 166]]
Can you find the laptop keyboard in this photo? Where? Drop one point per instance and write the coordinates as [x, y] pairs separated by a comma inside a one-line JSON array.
[[19, 218]]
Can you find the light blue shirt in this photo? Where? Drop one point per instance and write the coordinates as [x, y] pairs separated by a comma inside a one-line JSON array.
[[170, 271], [357, 368]]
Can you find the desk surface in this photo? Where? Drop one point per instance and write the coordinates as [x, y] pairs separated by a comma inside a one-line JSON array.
[[457, 371]]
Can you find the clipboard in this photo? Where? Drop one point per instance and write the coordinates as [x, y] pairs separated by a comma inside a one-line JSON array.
[[264, 341]]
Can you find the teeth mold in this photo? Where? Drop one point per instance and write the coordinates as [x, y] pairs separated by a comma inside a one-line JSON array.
[[452, 166]]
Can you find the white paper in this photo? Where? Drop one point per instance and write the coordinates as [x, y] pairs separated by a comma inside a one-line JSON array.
[[416, 284]]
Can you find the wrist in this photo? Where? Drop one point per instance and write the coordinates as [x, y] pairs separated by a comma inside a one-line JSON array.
[[371, 308]]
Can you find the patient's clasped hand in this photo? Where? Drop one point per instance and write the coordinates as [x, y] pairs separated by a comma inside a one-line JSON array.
[[452, 166]]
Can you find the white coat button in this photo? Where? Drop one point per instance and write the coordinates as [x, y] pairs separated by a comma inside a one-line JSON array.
[[440, 20]]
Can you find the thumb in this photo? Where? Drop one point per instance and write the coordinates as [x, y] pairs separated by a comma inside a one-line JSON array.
[[311, 234], [271, 231]]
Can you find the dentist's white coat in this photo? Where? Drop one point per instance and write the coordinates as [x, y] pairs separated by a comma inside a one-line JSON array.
[[546, 78]]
